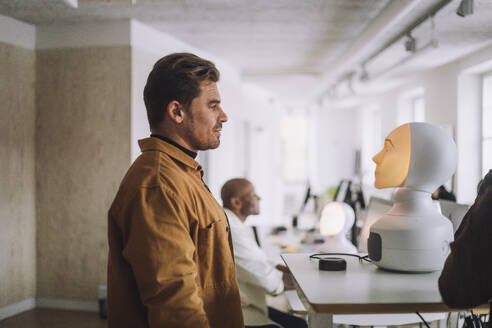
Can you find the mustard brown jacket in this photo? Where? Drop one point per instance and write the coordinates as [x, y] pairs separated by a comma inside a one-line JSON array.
[[170, 249]]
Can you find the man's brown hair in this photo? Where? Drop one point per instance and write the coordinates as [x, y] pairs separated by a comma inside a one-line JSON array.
[[175, 77]]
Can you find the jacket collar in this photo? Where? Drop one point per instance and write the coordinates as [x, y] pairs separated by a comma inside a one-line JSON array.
[[155, 144]]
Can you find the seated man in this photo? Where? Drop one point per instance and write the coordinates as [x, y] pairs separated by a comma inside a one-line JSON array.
[[256, 275], [442, 193], [466, 278]]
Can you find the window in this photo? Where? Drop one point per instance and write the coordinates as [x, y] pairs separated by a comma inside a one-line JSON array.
[[294, 134], [294, 141], [486, 124]]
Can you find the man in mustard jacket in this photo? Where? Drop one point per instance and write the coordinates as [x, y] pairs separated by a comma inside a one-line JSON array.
[[170, 250]]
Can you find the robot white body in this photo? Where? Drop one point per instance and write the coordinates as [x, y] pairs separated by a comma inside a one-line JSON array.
[[412, 236]]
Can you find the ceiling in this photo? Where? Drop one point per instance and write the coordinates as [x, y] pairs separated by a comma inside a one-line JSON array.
[[294, 48], [456, 37]]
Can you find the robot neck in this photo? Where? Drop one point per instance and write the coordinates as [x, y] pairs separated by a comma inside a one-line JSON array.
[[411, 202]]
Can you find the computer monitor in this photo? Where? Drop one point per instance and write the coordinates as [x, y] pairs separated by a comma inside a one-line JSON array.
[[342, 189], [375, 210], [453, 211]]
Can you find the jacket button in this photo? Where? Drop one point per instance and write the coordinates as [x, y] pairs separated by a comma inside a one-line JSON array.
[[227, 229]]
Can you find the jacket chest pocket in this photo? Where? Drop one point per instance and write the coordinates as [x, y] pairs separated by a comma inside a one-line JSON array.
[[212, 237], [214, 253]]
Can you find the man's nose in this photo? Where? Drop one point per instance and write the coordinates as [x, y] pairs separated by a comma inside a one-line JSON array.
[[223, 116]]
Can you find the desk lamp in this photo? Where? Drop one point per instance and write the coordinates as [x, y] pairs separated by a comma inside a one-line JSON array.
[[413, 236], [336, 220]]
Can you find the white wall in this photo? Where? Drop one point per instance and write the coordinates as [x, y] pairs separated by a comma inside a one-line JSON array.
[[440, 96], [261, 114], [224, 162], [337, 143], [370, 139]]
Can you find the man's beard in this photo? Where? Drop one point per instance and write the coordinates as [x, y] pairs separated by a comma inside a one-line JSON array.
[[197, 143], [212, 142]]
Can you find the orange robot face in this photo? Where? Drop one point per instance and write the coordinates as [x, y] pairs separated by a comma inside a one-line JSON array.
[[393, 161]]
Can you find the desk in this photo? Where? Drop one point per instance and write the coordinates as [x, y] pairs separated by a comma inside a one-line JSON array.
[[362, 289], [379, 320], [290, 241]]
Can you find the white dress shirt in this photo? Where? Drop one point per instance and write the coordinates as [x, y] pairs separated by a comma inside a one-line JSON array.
[[256, 274]]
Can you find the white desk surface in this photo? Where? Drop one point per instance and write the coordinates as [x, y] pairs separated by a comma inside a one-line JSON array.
[[363, 288], [386, 319]]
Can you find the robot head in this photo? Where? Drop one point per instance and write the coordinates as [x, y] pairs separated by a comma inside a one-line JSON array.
[[336, 219], [419, 156]]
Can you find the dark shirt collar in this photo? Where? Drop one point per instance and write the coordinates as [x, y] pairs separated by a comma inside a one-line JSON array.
[[188, 152]]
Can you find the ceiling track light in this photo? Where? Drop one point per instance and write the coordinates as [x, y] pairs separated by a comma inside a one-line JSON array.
[[432, 44], [410, 43], [465, 8]]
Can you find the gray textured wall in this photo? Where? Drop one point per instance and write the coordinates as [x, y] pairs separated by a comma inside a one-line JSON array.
[[17, 213], [82, 152]]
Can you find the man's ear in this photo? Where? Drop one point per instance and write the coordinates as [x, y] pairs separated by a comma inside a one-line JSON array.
[[175, 111], [236, 202]]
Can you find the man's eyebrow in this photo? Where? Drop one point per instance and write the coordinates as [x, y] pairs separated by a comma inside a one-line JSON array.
[[214, 101]]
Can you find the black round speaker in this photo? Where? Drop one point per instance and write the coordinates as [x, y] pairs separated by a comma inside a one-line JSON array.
[[332, 264], [374, 245]]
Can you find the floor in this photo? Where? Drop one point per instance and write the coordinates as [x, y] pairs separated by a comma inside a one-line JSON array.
[[48, 318]]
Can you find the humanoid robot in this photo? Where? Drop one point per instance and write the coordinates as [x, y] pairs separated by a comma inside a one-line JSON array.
[[413, 236], [336, 220]]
